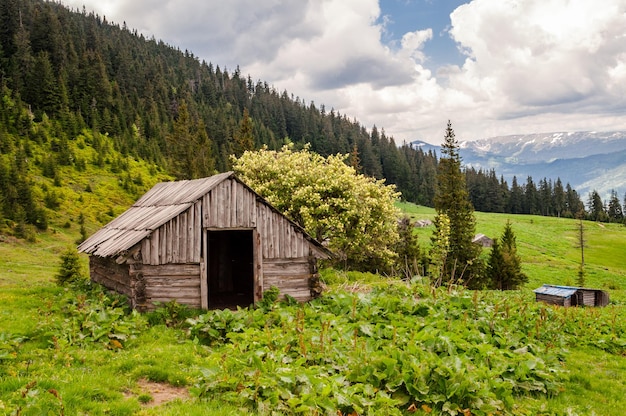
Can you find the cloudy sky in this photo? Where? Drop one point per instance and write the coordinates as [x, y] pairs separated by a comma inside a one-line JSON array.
[[493, 67]]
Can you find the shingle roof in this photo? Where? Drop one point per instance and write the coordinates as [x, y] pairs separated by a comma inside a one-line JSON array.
[[160, 204]]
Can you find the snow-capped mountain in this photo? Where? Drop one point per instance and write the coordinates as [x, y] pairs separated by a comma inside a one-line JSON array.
[[585, 160]]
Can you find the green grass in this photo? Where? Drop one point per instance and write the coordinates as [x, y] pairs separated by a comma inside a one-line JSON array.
[[549, 250], [95, 379]]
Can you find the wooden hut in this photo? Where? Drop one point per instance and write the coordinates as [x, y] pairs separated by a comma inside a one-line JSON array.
[[206, 243], [482, 240], [571, 296]]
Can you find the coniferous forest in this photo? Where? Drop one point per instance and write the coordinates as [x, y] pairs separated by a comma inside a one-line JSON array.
[[63, 72]]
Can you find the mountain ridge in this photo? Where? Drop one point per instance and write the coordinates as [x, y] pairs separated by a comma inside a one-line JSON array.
[[587, 160]]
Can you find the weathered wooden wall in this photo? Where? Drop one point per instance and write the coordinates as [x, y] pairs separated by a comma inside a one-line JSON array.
[[290, 276], [554, 300], [233, 205], [176, 241], [172, 256], [230, 205], [164, 283], [109, 274]]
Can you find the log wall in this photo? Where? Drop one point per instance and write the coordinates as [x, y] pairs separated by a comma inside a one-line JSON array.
[[111, 275], [290, 276], [164, 283]]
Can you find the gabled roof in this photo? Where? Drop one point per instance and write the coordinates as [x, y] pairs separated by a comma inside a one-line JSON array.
[[160, 204], [553, 290], [163, 202]]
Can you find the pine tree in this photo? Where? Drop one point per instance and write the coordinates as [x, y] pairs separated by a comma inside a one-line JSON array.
[[504, 268], [190, 147], [452, 199], [558, 196], [614, 211], [407, 249], [596, 207], [70, 270], [244, 139]]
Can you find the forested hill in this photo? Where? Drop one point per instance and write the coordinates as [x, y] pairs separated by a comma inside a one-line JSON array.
[[86, 72], [70, 78]]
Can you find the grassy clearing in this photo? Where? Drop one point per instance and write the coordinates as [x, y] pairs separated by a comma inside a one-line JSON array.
[[549, 250], [38, 357]]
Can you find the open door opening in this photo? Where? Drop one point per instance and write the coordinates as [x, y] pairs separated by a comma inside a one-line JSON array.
[[230, 271]]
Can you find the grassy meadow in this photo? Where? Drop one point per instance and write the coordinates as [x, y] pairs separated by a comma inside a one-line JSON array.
[[550, 250], [81, 352]]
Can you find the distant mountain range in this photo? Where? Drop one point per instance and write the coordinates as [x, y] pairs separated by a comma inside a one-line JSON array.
[[585, 160]]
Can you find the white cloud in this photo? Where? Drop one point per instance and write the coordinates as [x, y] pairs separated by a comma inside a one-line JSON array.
[[532, 65]]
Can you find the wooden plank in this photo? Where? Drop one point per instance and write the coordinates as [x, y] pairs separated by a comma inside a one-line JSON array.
[[167, 255], [205, 210], [175, 241], [296, 270], [228, 206], [252, 206], [145, 251], [240, 208], [182, 239], [163, 239], [263, 230], [191, 222], [232, 206], [268, 234], [204, 291], [197, 233], [154, 248], [172, 270], [215, 206], [174, 275], [282, 237], [172, 292], [258, 280], [288, 282], [276, 233], [220, 205], [173, 284]]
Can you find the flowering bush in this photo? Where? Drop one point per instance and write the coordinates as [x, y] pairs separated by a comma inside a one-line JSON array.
[[354, 213]]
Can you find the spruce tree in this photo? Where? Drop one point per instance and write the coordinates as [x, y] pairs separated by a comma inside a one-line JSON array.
[[614, 211], [452, 199], [505, 266], [244, 138]]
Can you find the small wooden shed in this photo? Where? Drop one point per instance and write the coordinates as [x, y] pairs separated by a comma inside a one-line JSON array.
[[483, 240], [206, 243], [571, 296]]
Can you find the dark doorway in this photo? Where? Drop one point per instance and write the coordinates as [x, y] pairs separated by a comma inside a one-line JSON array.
[[230, 269]]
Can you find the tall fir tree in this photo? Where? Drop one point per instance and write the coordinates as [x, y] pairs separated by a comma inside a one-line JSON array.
[[596, 207], [452, 199], [614, 210], [190, 150], [244, 138]]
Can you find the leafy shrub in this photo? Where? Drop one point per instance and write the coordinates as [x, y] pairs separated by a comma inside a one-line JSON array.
[[171, 314], [93, 317], [382, 352]]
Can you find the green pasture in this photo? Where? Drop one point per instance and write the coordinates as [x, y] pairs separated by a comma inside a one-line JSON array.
[[49, 366]]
